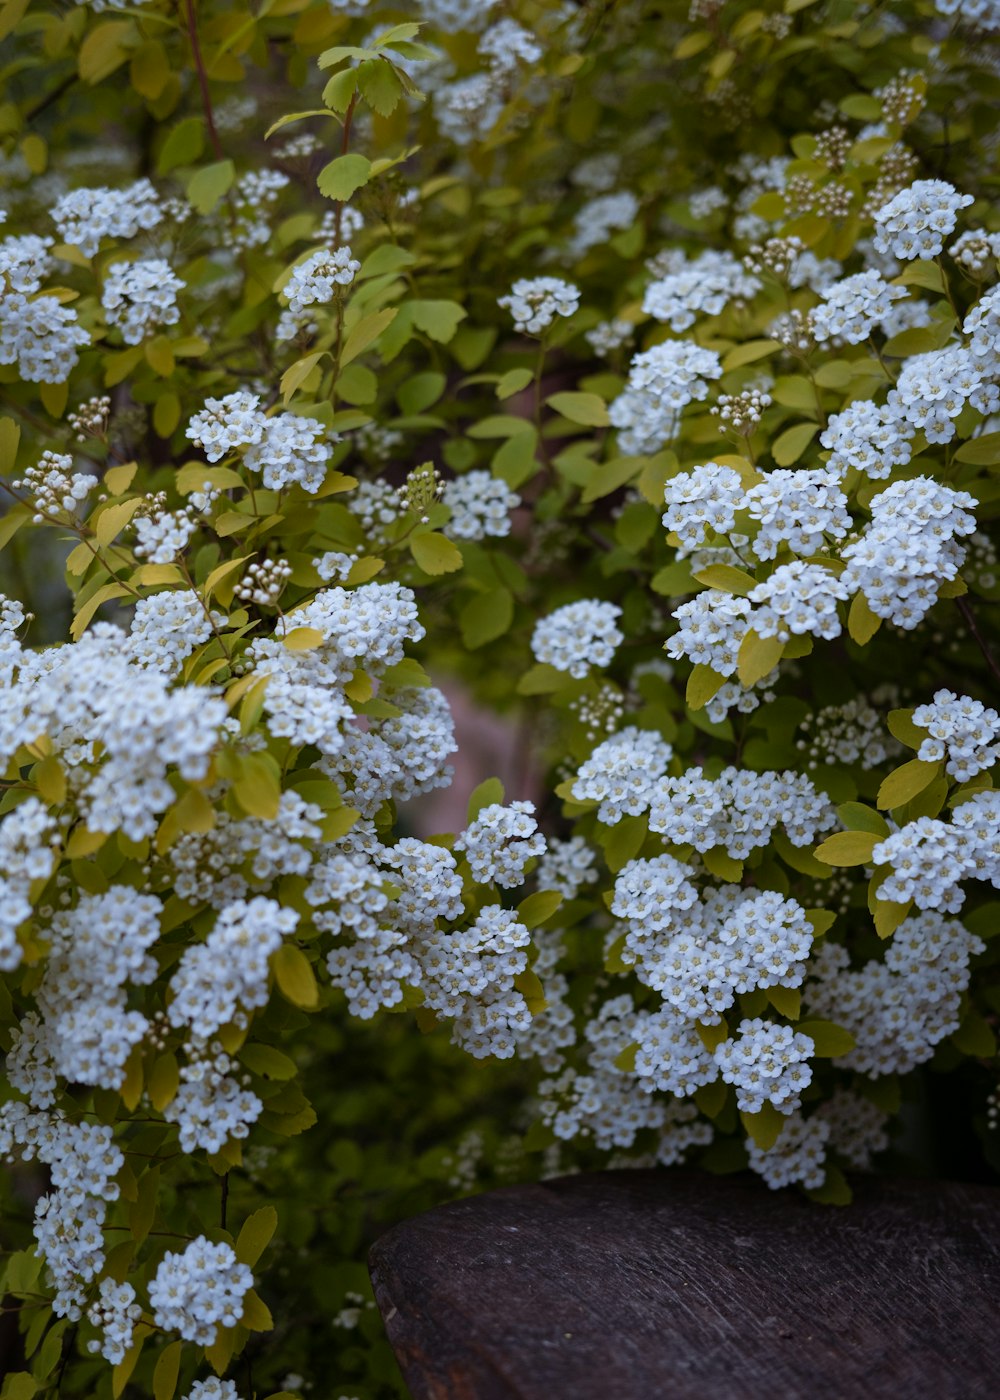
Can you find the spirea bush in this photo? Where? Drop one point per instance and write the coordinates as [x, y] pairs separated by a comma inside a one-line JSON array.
[[630, 370]]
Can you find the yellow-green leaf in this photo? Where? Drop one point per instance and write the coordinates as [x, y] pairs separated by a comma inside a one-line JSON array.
[[294, 975], [791, 444], [862, 623], [255, 1235], [208, 185], [829, 1040], [764, 1127], [163, 1081], [343, 176], [590, 410], [89, 608], [727, 578], [166, 1371], [113, 519], [297, 373], [757, 657], [848, 848], [538, 907], [303, 639], [702, 684], [905, 783], [256, 1314], [435, 553]]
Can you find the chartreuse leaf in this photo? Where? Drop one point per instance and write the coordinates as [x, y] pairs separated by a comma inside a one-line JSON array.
[[166, 1371], [828, 1040], [902, 785], [589, 410], [975, 1037], [435, 553], [764, 1126], [255, 1235], [538, 907], [343, 176], [294, 975], [862, 623], [702, 684], [208, 185], [848, 848], [757, 658], [488, 793], [256, 1314]]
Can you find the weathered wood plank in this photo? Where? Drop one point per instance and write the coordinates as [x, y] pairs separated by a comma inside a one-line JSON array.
[[641, 1285]]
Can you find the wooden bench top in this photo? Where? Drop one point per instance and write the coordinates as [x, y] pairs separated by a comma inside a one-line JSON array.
[[637, 1285]]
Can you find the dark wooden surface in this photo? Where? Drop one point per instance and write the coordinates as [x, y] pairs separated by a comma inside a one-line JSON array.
[[641, 1285]]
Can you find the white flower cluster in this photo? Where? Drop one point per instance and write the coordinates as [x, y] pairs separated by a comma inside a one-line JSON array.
[[739, 810], [767, 1064], [315, 280], [83, 1162], [163, 534], [567, 866], [219, 980], [199, 1290], [622, 773], [54, 486], [701, 502], [506, 45], [480, 506], [213, 1389], [962, 731], [211, 1106], [798, 1157], [915, 223], [578, 636], [798, 508], [710, 630], [910, 548], [798, 599], [867, 436], [704, 286], [929, 858], [118, 727], [27, 853], [535, 302], [600, 218], [37, 333], [115, 1312], [976, 250], [286, 449], [701, 953], [853, 307], [469, 974], [85, 216], [365, 628], [167, 627], [500, 842], [140, 297], [850, 733], [607, 336], [898, 1009], [932, 389], [661, 383]]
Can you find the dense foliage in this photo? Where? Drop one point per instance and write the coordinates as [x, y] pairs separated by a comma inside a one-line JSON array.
[[629, 371]]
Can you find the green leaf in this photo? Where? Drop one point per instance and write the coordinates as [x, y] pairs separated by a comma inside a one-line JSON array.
[[294, 974], [183, 145], [590, 410], [255, 1235], [624, 842], [787, 1001], [166, 1371], [256, 1316], [702, 684], [847, 848], [437, 319], [488, 793], [113, 519], [380, 85], [829, 1040], [208, 185], [980, 451], [835, 1190], [757, 657], [538, 907], [513, 382], [87, 610], [748, 353], [791, 444], [486, 617], [857, 817], [303, 639], [343, 176], [515, 461], [763, 1127], [862, 623], [104, 49], [10, 436], [718, 863], [975, 1037], [19, 1385], [268, 1061], [901, 727], [435, 553], [296, 374], [902, 785], [888, 916], [727, 578], [365, 333], [340, 89]]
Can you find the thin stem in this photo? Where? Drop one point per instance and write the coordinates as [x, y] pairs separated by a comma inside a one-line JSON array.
[[965, 608], [199, 63]]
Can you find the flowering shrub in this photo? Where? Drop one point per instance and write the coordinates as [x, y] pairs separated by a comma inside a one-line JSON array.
[[636, 367]]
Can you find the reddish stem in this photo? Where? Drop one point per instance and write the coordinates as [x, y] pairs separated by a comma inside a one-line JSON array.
[[199, 63]]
